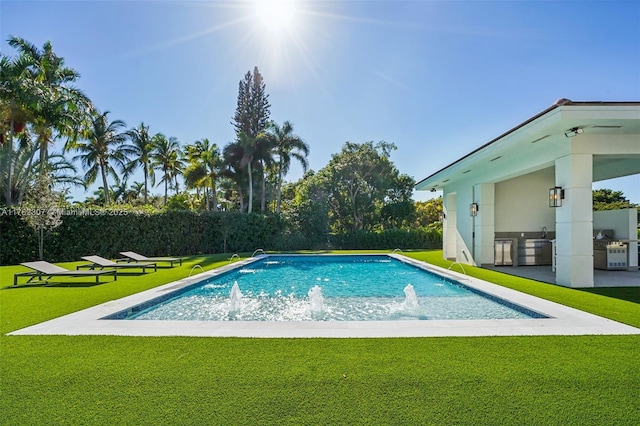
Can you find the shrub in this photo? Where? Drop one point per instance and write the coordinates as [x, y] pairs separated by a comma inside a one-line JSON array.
[[107, 232]]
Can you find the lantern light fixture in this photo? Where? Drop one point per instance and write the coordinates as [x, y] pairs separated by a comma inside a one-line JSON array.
[[556, 195]]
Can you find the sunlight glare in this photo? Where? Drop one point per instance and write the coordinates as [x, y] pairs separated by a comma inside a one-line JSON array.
[[276, 15]]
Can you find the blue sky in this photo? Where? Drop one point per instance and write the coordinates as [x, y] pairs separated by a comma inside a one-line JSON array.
[[437, 78]]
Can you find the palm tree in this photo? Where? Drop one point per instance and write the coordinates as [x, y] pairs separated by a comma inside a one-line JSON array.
[[59, 108], [241, 154], [15, 93], [166, 155], [233, 179], [286, 146], [141, 148], [205, 167], [135, 191], [104, 144], [119, 191], [264, 158], [25, 166]]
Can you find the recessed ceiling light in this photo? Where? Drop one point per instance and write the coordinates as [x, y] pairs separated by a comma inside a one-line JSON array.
[[497, 158], [607, 127], [466, 171], [539, 139]]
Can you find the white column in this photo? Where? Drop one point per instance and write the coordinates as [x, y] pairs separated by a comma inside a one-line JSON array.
[[449, 227], [574, 221]]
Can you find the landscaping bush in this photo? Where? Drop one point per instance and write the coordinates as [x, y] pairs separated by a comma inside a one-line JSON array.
[[416, 238], [108, 232]]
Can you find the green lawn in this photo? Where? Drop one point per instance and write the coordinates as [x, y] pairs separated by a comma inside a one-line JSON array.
[[176, 380]]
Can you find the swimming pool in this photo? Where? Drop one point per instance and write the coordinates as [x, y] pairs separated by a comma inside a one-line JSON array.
[[327, 288], [103, 319]]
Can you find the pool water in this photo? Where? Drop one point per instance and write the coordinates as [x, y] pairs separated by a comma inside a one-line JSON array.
[[328, 288]]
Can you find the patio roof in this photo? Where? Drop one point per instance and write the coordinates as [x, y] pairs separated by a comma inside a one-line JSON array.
[[536, 143]]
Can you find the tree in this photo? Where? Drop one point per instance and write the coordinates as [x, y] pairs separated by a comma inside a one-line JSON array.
[[232, 183], [166, 156], [240, 154], [428, 212], [286, 145], [310, 208], [263, 157], [607, 199], [251, 118], [15, 94], [44, 212], [141, 148], [360, 180], [103, 146], [252, 111], [58, 108], [135, 191], [205, 167], [25, 167]]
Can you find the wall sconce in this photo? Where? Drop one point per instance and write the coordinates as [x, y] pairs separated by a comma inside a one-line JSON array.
[[474, 208], [574, 131], [556, 195], [442, 216]]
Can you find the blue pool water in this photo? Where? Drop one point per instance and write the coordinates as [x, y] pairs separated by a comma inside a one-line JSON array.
[[327, 288]]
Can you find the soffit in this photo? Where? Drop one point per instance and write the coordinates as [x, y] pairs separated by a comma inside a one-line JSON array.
[[538, 142]]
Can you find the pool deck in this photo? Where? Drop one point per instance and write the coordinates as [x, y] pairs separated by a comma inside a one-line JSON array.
[[563, 321], [601, 278]]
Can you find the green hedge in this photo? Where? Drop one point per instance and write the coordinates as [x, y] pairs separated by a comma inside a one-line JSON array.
[[108, 232], [417, 238]]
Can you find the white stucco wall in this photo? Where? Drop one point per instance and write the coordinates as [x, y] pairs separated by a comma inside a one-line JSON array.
[[522, 203]]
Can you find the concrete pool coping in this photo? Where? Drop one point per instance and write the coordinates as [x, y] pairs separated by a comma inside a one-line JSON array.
[[563, 320]]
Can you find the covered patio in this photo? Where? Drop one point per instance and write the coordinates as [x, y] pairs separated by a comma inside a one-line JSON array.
[[601, 278], [524, 199]]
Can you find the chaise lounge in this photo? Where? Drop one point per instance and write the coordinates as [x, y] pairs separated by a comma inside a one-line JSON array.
[[132, 256], [101, 263], [49, 270]]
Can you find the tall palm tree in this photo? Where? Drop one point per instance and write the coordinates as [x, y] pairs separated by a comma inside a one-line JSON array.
[[166, 155], [103, 147], [264, 159], [241, 154], [286, 146], [15, 94], [205, 167], [141, 148], [59, 108]]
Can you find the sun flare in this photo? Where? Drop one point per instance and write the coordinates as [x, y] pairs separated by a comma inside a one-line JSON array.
[[276, 15]]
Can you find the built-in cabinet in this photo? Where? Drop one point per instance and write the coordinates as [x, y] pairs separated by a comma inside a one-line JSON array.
[[534, 252], [523, 248]]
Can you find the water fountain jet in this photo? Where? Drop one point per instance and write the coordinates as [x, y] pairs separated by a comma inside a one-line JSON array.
[[411, 300], [235, 298], [194, 267], [316, 300]]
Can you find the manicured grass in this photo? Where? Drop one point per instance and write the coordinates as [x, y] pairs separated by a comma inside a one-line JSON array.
[[142, 380]]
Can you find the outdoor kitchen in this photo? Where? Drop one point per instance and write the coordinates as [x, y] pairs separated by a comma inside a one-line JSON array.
[[615, 244]]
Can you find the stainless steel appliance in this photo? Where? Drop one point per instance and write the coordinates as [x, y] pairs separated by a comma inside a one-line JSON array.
[[503, 252], [610, 255]]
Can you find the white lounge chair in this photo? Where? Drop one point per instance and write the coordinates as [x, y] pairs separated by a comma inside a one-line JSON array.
[[132, 256], [49, 270], [101, 263]]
